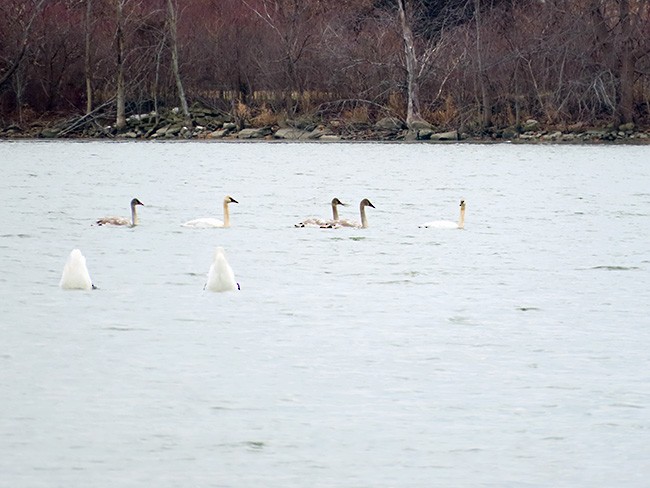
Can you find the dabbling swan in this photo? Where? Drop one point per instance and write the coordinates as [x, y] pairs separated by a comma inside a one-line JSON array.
[[351, 223], [207, 222], [316, 222], [122, 220], [448, 224], [75, 273], [221, 276]]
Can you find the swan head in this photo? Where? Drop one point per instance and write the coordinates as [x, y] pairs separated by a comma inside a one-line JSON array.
[[229, 199], [366, 203], [462, 204], [135, 202], [336, 201]]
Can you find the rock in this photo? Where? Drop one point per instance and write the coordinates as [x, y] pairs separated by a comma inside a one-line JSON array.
[[218, 134], [229, 126], [329, 137], [390, 123], [531, 125], [553, 136], [445, 136], [528, 136], [174, 129], [50, 132], [254, 133], [423, 134], [417, 125], [319, 133], [629, 127], [292, 134], [509, 133]]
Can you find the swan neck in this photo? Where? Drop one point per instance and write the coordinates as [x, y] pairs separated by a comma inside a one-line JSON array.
[[335, 212], [226, 214], [461, 220], [364, 219], [134, 216]]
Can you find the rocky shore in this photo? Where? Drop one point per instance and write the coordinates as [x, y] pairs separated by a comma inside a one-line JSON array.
[[206, 124]]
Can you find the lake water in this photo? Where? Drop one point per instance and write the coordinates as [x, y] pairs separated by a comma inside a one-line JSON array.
[[513, 353]]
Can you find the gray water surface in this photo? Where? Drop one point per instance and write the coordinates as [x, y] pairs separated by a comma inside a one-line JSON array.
[[511, 353]]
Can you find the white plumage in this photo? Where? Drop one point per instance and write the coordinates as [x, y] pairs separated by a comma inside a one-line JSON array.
[[209, 222], [351, 223], [317, 222], [221, 276], [123, 220], [75, 273], [448, 224]]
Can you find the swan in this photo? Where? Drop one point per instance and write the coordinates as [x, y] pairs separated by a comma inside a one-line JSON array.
[[208, 222], [75, 273], [221, 276], [351, 223], [122, 220], [316, 222], [448, 224]]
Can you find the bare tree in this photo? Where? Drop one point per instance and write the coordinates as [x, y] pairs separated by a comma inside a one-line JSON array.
[[14, 64], [87, 57], [172, 23], [486, 105], [120, 97], [622, 34], [413, 118]]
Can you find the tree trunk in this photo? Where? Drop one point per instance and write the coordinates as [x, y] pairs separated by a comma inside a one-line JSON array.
[[87, 59], [627, 64], [172, 19], [413, 118], [120, 122], [486, 105]]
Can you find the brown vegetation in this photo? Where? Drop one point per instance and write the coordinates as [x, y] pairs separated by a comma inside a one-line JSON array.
[[476, 66]]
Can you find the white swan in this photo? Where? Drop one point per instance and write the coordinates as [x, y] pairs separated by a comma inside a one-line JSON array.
[[351, 223], [207, 222], [316, 222], [75, 273], [122, 220], [221, 276], [448, 224]]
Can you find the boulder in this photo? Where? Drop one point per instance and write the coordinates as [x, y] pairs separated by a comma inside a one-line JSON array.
[[553, 136], [531, 125], [254, 133], [444, 136], [319, 133], [292, 134], [390, 123], [218, 134], [419, 124], [50, 132]]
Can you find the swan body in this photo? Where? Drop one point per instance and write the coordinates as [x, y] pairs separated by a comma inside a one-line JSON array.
[[221, 276], [448, 224], [351, 223], [316, 222], [75, 273], [208, 222], [122, 220]]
